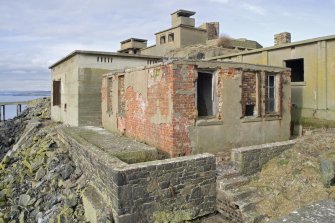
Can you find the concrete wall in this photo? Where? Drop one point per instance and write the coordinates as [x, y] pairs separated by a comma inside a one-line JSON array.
[[189, 36], [172, 190], [161, 108], [90, 77], [230, 128], [81, 77], [183, 36], [67, 73], [313, 98]]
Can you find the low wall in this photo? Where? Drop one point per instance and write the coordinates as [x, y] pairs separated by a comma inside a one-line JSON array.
[[250, 159], [171, 190]]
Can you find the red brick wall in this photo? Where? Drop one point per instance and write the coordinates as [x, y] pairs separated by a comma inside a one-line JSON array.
[[185, 111], [140, 111], [165, 96]]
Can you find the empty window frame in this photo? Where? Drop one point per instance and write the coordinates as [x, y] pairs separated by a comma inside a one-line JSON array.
[[270, 94], [297, 69], [56, 93], [110, 94], [162, 40], [170, 37], [205, 94], [121, 95]]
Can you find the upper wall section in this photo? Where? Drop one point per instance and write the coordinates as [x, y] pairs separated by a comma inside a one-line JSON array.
[[314, 90]]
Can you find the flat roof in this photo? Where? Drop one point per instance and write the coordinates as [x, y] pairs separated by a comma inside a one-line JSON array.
[[183, 26], [135, 39], [184, 13], [87, 52], [303, 42]]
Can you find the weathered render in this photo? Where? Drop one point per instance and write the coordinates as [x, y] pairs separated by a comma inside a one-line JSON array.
[[184, 107], [313, 84], [77, 77]]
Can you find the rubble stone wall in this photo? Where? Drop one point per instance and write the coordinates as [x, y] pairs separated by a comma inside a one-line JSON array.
[[171, 190], [250, 159]]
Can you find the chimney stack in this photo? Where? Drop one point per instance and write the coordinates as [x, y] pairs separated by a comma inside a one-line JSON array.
[[282, 38]]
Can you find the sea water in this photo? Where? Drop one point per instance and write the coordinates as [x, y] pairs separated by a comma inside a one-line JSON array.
[[9, 96]]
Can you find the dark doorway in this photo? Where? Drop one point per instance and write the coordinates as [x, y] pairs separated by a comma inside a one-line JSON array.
[[56, 94], [297, 69], [205, 94]]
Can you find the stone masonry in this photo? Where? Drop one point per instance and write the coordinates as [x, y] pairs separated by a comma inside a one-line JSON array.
[[170, 190]]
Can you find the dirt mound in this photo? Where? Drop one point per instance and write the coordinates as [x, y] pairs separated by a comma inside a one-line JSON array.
[[299, 176]]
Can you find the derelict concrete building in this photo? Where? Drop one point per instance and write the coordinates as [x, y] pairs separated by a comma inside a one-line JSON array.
[[184, 106], [76, 82]]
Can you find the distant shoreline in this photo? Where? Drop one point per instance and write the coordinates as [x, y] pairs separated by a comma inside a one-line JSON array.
[[25, 93]]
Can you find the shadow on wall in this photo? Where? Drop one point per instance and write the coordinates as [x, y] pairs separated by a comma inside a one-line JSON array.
[[296, 112]]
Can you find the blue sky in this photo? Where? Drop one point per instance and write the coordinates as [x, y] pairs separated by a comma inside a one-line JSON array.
[[36, 33]]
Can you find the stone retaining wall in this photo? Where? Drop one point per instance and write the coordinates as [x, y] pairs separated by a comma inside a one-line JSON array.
[[250, 159], [171, 190]]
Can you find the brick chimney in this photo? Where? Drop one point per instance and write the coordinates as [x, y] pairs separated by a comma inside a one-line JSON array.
[[282, 38]]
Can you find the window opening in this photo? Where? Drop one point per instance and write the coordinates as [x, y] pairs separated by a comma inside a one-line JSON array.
[[171, 37], [205, 94], [121, 99], [270, 93], [297, 69], [162, 40]]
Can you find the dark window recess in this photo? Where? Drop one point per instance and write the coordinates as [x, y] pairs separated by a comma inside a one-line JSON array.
[[270, 94], [249, 110], [171, 37], [297, 69], [205, 94], [56, 100], [162, 40]]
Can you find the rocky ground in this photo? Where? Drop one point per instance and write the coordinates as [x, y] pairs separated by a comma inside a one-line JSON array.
[[38, 180]]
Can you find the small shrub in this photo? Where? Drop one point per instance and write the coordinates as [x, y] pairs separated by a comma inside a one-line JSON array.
[[224, 41]]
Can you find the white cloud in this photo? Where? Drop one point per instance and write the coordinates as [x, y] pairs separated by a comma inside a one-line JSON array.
[[254, 9], [220, 1]]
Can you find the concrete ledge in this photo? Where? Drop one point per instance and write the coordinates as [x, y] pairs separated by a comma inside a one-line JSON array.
[[250, 159]]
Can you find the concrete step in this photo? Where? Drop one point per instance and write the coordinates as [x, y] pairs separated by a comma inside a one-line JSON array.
[[227, 184], [228, 174], [239, 194], [245, 205]]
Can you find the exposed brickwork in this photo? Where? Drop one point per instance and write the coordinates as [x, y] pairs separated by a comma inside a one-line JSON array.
[[140, 111], [184, 108], [282, 38], [249, 85]]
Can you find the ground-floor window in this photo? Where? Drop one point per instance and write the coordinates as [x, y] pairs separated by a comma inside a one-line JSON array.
[[205, 94], [270, 94]]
